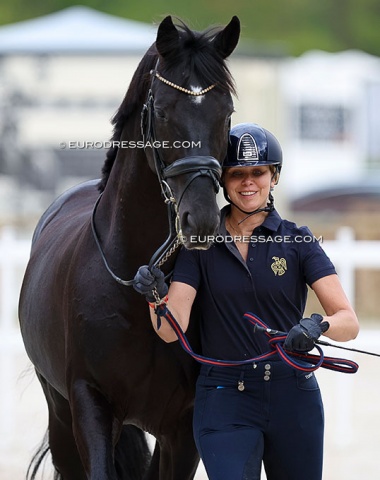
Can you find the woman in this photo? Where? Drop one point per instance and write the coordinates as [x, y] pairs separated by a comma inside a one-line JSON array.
[[263, 412]]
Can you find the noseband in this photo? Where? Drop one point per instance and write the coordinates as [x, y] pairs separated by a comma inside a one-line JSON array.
[[194, 166]]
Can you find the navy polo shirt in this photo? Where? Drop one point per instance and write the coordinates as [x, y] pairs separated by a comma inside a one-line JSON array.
[[282, 260]]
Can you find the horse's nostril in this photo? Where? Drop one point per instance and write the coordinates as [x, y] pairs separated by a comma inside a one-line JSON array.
[[196, 225], [188, 221]]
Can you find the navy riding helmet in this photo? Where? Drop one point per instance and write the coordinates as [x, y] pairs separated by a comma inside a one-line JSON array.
[[251, 145]]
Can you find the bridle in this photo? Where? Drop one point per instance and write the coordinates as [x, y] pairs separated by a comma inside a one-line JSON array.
[[195, 165], [198, 165]]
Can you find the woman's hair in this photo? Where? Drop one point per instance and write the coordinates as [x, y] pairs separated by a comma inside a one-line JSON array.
[[275, 173]]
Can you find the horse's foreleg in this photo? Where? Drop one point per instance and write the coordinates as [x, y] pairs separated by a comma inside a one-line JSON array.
[[95, 429], [179, 456]]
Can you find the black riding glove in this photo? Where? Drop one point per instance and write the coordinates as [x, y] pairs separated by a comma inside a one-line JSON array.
[[149, 278], [301, 337]]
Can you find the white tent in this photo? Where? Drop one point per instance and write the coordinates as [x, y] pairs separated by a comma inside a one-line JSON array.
[[77, 29]]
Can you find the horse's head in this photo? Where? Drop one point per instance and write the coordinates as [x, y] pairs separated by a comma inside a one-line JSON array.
[[186, 121]]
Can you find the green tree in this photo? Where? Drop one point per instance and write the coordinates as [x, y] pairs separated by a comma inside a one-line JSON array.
[[293, 26]]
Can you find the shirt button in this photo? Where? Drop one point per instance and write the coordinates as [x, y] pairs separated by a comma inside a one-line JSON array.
[[266, 378], [251, 259], [253, 245], [267, 366]]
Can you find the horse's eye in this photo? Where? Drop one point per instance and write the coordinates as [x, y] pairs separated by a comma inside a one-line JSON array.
[[159, 113]]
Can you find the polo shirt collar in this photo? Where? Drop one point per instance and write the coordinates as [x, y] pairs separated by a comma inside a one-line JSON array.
[[272, 221]]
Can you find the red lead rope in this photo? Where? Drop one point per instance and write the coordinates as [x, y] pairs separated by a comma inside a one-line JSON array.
[[299, 361]]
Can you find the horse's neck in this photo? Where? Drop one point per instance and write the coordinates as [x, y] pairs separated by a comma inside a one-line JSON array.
[[131, 216]]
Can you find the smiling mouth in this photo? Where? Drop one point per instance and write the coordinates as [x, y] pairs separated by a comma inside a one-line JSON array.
[[247, 194]]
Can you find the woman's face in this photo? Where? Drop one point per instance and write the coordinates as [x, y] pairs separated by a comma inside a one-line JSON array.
[[248, 187]]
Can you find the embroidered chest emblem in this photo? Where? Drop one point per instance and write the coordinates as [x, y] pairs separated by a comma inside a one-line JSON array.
[[279, 266]]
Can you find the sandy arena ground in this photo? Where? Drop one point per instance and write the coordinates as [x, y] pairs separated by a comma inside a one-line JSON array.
[[352, 409]]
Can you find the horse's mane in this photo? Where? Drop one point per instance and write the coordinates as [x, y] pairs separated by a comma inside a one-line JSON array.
[[200, 57]]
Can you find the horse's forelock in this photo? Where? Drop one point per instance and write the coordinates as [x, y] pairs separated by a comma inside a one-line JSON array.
[[198, 56]]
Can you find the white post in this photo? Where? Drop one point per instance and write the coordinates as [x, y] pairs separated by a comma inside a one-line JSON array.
[[7, 279], [346, 265], [340, 253]]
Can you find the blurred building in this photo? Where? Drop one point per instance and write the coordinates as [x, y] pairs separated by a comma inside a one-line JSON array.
[[332, 153], [62, 77], [332, 125]]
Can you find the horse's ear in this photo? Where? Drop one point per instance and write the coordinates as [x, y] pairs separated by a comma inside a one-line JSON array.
[[226, 40], [167, 37]]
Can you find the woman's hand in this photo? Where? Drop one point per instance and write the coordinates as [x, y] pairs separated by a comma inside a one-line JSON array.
[[148, 279], [302, 337]]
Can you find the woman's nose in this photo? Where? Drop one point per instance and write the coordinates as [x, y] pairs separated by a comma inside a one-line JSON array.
[[247, 180]]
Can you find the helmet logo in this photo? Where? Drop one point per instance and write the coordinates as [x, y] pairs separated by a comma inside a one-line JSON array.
[[247, 148]]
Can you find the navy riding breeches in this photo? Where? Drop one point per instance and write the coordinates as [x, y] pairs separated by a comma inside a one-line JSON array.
[[262, 413]]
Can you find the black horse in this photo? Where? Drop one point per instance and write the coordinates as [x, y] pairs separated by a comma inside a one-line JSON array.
[[106, 375]]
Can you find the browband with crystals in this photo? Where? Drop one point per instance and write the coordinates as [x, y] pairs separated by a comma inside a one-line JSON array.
[[182, 89]]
